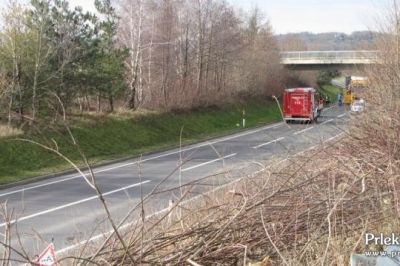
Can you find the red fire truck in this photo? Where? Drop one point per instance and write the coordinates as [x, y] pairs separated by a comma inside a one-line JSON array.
[[301, 104]]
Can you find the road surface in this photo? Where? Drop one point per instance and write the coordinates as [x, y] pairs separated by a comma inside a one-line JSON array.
[[66, 210]]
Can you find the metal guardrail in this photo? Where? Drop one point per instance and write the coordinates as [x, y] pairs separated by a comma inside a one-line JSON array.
[[330, 55]]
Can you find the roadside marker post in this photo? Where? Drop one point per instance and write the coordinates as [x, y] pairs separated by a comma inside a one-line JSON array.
[[244, 118]]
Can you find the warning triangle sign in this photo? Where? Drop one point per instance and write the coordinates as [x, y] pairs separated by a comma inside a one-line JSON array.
[[48, 257]]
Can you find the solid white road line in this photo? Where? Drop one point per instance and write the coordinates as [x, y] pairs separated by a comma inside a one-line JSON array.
[[326, 122], [102, 235], [270, 142], [212, 161], [302, 131], [208, 143], [72, 203]]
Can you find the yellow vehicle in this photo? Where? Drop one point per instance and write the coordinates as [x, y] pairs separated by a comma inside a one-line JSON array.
[[359, 82], [348, 96], [354, 86]]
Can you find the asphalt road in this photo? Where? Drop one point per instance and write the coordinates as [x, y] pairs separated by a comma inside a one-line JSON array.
[[66, 210]]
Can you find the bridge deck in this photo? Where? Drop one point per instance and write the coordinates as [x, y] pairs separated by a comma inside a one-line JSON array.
[[329, 57]]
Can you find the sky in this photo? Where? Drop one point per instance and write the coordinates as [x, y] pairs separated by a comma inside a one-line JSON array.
[[317, 15], [303, 15]]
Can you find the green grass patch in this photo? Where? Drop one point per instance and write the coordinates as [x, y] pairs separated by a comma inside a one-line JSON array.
[[117, 136], [330, 91]]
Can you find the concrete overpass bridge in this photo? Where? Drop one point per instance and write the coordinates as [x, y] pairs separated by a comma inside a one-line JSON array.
[[319, 60]]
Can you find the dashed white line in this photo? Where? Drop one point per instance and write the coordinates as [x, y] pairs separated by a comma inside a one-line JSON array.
[[302, 131], [327, 121], [334, 137], [307, 150], [342, 115], [73, 203], [270, 142], [326, 109], [212, 161]]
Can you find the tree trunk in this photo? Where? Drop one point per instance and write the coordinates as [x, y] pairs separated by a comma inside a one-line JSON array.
[[9, 110], [209, 49], [140, 58], [87, 105], [199, 51], [36, 72], [81, 103], [186, 59], [163, 79], [98, 103], [111, 102], [148, 94], [135, 60], [34, 100], [20, 107]]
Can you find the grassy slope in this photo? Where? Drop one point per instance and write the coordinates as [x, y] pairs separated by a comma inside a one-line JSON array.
[[114, 137], [331, 91]]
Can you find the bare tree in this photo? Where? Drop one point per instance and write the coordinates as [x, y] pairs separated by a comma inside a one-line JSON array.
[[131, 32], [12, 36], [293, 42], [196, 52], [38, 23]]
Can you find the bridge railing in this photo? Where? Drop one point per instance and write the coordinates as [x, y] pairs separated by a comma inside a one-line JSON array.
[[329, 55]]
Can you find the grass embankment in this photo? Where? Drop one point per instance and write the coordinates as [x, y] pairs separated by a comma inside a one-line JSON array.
[[331, 91], [118, 136]]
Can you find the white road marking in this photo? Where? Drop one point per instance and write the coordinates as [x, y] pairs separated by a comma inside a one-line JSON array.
[[334, 137], [302, 131], [73, 203], [145, 160], [307, 150], [329, 108], [94, 238], [342, 115], [270, 142], [327, 121], [212, 161]]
